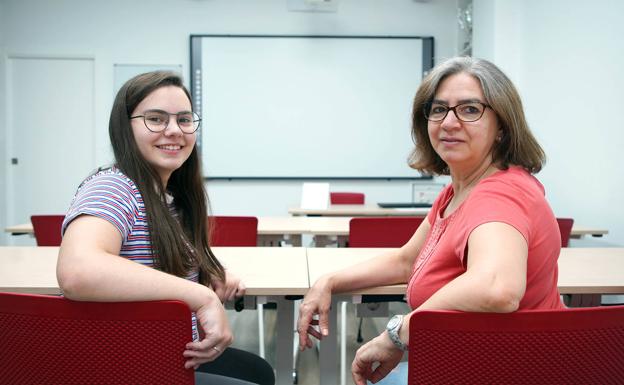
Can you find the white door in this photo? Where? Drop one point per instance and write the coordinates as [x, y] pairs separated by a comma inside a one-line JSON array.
[[50, 134]]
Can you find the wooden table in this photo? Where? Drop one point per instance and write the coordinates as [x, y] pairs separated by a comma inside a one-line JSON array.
[[33, 269], [581, 271], [580, 231], [24, 228], [29, 270], [360, 210], [267, 272], [273, 230]]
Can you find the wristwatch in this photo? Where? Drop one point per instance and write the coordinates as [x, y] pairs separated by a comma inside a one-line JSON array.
[[393, 327]]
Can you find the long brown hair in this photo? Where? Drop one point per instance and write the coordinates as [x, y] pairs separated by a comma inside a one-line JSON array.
[[517, 145], [178, 244]]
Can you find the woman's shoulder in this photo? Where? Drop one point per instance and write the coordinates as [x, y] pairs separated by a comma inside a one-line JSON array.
[[109, 181], [513, 179], [109, 175]]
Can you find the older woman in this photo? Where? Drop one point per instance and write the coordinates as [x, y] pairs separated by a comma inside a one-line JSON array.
[[490, 242]]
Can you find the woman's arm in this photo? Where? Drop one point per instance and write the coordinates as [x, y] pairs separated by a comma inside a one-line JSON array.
[[495, 277], [89, 268], [392, 267], [494, 281], [388, 268]]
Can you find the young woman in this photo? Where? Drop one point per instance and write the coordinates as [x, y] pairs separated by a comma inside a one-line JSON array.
[[136, 231], [491, 240]]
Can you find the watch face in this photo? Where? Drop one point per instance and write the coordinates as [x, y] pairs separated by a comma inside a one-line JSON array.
[[394, 321]]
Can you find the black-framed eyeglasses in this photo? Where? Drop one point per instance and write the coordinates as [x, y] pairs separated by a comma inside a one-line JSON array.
[[158, 120], [466, 112]]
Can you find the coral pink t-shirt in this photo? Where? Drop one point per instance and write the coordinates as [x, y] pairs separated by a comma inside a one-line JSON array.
[[510, 196]]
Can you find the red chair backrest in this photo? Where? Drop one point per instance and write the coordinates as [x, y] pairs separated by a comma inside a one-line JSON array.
[[233, 231], [47, 229], [565, 228], [571, 346], [52, 340], [346, 198], [382, 231]]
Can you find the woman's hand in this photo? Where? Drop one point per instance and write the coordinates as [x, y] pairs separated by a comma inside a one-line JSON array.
[[215, 334], [316, 302], [232, 288], [379, 350]]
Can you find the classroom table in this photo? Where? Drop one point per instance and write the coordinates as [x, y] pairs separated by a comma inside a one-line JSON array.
[[263, 269], [580, 231], [359, 210], [22, 228], [581, 271], [273, 230], [30, 269]]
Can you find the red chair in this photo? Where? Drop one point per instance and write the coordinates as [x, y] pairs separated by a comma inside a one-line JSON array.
[[565, 228], [53, 340], [346, 198], [233, 231], [572, 346], [382, 231], [47, 229]]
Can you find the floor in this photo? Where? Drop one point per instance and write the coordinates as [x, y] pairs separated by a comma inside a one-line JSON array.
[[245, 327]]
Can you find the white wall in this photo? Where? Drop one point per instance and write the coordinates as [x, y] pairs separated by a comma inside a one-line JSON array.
[[564, 56], [157, 32], [567, 59], [4, 161]]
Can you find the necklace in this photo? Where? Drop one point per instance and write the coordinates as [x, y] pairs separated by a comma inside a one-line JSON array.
[[459, 197], [477, 178]]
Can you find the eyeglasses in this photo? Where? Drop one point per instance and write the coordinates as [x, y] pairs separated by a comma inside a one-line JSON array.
[[466, 112], [158, 120]]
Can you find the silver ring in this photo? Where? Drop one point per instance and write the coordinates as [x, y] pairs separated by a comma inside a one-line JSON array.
[[217, 349]]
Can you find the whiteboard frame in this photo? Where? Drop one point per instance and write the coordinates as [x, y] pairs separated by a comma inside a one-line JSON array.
[[195, 80]]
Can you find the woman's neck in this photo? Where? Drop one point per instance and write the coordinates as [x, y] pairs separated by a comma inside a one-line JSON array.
[[464, 181]]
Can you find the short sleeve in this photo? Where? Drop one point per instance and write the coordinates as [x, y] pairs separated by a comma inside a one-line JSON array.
[[109, 196], [499, 201]]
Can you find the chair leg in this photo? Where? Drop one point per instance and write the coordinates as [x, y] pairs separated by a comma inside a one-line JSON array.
[[343, 343], [261, 330], [295, 366], [359, 334]]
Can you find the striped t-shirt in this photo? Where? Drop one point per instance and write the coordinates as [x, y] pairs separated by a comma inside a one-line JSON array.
[[111, 195]]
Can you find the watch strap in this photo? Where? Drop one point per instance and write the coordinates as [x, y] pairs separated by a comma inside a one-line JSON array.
[[393, 333]]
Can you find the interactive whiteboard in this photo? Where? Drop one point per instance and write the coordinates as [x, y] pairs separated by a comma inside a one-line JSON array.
[[307, 106]]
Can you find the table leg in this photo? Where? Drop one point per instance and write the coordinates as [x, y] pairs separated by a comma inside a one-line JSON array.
[[328, 355], [284, 344], [295, 240], [267, 240]]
